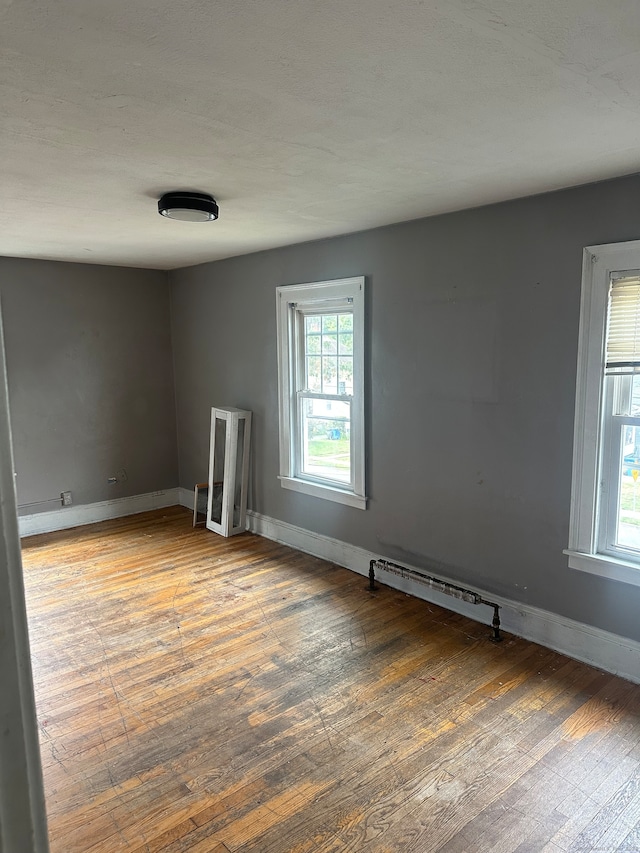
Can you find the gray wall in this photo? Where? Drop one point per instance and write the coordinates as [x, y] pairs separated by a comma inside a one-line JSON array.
[[472, 338], [90, 374]]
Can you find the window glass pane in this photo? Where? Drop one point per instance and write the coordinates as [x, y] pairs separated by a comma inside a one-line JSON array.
[[346, 343], [621, 391], [313, 324], [345, 322], [329, 375], [326, 444], [313, 344], [329, 344], [629, 491], [635, 395], [329, 323], [314, 373], [345, 377]]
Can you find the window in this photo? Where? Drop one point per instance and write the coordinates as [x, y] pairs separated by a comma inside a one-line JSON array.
[[320, 385], [604, 533]]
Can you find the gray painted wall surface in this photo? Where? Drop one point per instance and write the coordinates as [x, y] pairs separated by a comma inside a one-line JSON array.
[[472, 334], [90, 380]]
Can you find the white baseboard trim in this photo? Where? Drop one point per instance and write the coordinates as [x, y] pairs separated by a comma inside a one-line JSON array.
[[75, 516], [607, 651]]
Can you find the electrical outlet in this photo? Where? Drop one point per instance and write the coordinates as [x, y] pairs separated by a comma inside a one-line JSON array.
[[66, 498]]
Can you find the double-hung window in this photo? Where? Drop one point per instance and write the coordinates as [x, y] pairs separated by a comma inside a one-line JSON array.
[[321, 389], [605, 511]]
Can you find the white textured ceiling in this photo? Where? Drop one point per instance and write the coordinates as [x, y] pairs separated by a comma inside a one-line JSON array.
[[305, 118]]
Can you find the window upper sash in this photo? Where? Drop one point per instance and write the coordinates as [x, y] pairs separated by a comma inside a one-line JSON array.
[[623, 326]]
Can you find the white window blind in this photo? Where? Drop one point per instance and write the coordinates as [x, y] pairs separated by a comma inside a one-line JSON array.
[[623, 329]]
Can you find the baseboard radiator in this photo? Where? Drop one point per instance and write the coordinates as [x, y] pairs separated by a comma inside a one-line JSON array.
[[439, 585]]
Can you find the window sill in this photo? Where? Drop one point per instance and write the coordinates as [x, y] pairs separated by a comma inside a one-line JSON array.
[[328, 493], [605, 567]]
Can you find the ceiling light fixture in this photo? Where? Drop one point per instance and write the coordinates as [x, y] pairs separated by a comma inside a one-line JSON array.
[[188, 207]]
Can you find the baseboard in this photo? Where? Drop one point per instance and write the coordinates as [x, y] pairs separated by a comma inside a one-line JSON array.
[[607, 651], [75, 516]]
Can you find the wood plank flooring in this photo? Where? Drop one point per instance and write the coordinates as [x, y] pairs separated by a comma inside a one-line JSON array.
[[216, 695]]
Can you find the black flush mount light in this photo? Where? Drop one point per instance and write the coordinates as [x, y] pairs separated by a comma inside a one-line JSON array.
[[189, 207]]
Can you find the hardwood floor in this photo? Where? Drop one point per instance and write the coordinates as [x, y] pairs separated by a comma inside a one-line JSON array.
[[210, 695]]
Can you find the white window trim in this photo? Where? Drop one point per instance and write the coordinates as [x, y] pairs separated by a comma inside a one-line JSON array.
[[599, 262], [322, 292]]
